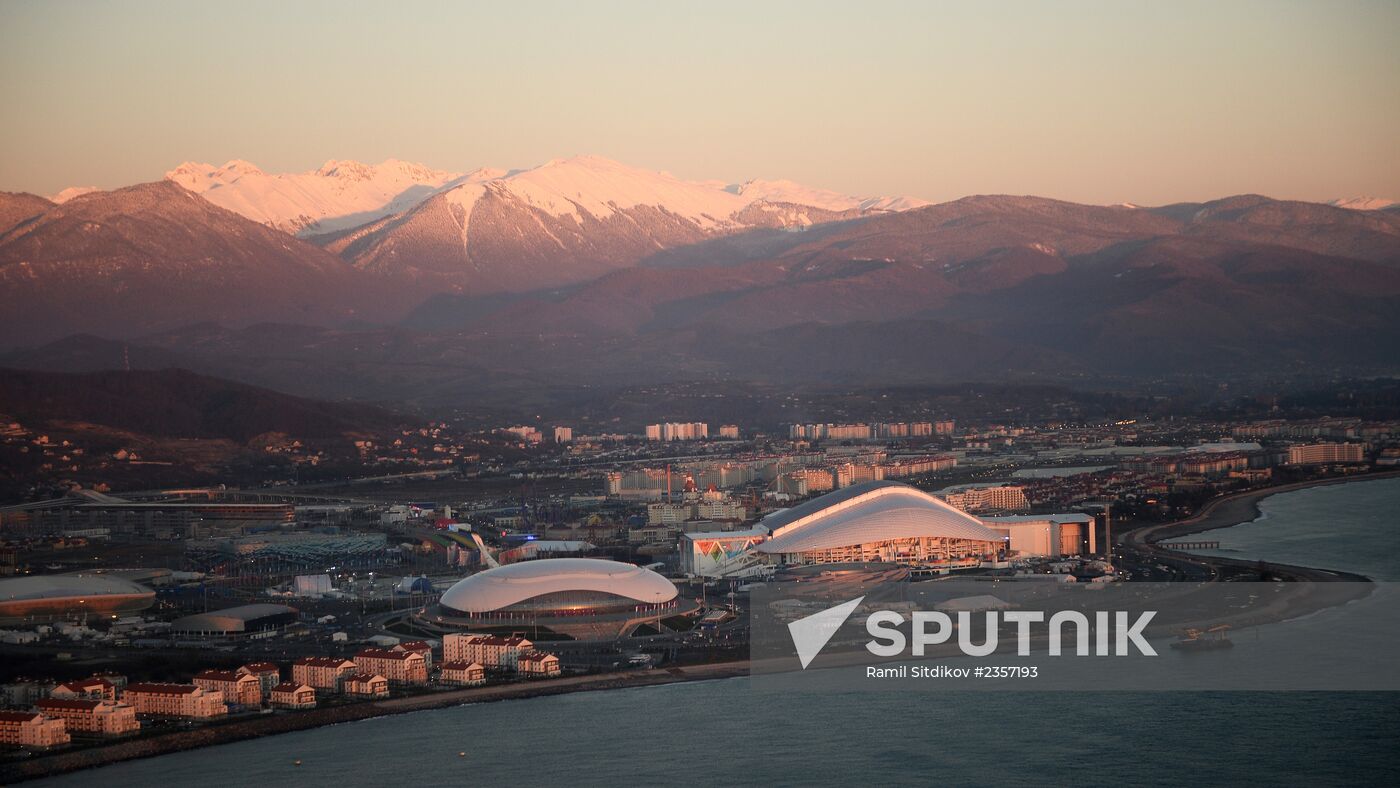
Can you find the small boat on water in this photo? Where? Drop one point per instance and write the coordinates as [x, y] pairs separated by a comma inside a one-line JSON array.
[[1209, 640]]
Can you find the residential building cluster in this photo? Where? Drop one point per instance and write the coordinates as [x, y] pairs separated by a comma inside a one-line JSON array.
[[498, 654], [992, 498], [678, 431], [109, 706], [874, 431]]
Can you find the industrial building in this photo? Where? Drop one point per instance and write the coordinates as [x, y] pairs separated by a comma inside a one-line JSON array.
[[722, 553], [156, 519], [245, 621], [269, 553], [884, 521], [1046, 535]]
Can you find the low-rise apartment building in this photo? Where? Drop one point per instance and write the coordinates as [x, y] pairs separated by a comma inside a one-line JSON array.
[[291, 695], [96, 717], [324, 674], [239, 689], [175, 700], [399, 667], [463, 674], [31, 729], [538, 665], [365, 685], [493, 652]]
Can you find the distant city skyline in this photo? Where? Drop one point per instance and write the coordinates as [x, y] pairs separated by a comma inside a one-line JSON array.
[[1085, 101]]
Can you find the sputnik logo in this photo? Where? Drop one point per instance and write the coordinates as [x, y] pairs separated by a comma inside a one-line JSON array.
[[812, 633]]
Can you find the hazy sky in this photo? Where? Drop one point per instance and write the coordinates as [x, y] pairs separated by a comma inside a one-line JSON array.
[[1097, 102]]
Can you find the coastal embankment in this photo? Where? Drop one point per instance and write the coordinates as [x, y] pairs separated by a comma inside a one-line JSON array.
[[271, 724]]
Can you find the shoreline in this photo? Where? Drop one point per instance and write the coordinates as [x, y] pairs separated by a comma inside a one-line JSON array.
[[63, 762], [1237, 509]]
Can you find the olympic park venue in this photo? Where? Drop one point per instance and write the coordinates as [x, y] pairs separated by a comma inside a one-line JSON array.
[[576, 598], [880, 522], [53, 597]]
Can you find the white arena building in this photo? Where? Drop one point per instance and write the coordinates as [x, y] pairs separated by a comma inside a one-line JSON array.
[[576, 596], [882, 521], [52, 597]]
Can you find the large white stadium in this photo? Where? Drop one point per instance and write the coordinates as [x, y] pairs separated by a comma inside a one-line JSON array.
[[885, 522], [577, 597], [558, 586], [47, 597]]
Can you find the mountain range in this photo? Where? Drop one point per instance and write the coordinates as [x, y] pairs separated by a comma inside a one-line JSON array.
[[399, 282]]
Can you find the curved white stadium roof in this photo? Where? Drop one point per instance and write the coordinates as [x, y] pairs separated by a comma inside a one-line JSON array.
[[507, 585], [869, 512], [37, 587]]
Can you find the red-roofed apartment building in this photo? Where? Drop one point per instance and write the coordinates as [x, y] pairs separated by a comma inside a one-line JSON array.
[[324, 674], [239, 689], [31, 729], [175, 700], [291, 695], [538, 665], [100, 717], [366, 685], [86, 689], [463, 674], [399, 667], [267, 674], [492, 651], [418, 647]]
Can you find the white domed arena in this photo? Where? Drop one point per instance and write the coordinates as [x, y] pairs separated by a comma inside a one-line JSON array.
[[52, 597], [576, 597]]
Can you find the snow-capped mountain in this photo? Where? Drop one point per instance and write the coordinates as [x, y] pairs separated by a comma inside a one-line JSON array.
[[573, 219], [343, 195], [782, 191], [71, 192], [562, 222], [1364, 203], [340, 195]]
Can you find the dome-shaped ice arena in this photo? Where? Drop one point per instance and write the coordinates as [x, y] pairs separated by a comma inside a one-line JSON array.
[[883, 521], [50, 597], [579, 597]]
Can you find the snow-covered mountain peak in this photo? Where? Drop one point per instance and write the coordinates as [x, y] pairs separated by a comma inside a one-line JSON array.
[[71, 192], [601, 187], [347, 193], [1363, 203], [339, 195], [785, 191]]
